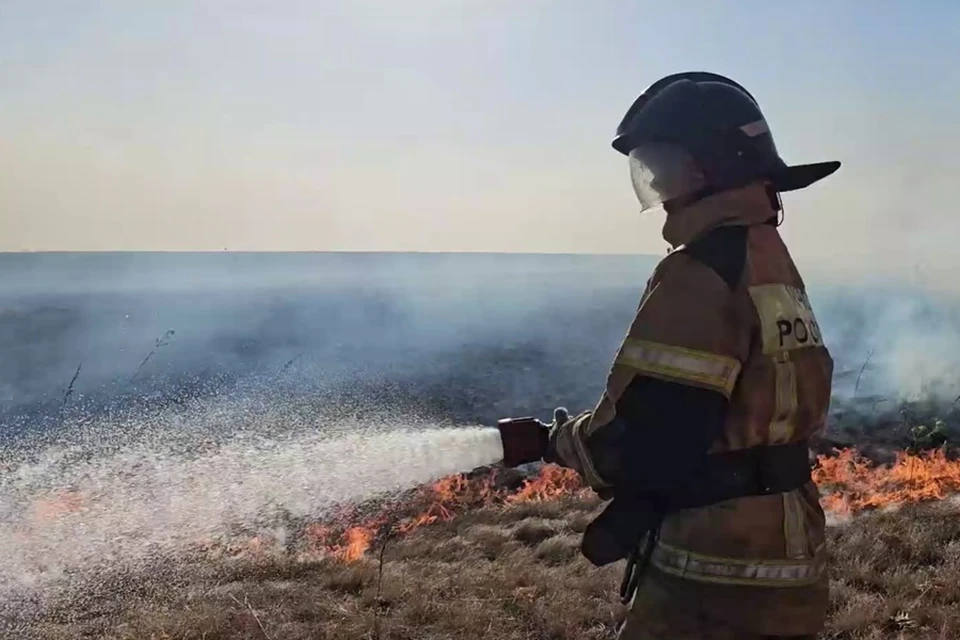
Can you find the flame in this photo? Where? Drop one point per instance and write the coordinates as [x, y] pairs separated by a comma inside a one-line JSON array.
[[848, 482], [59, 504], [348, 545], [553, 482], [358, 540], [851, 483], [440, 502]]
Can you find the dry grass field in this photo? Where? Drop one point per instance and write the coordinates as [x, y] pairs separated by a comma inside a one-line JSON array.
[[466, 560]]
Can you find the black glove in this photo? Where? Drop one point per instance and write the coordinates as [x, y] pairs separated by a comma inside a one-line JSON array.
[[560, 417], [619, 529], [552, 455]]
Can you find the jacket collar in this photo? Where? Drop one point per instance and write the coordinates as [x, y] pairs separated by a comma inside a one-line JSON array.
[[740, 207]]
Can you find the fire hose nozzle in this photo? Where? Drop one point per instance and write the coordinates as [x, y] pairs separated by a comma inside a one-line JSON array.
[[524, 440]]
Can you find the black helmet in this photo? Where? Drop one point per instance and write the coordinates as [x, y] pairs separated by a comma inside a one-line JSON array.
[[701, 132]]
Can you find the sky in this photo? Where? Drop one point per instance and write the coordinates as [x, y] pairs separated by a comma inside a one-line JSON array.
[[456, 125]]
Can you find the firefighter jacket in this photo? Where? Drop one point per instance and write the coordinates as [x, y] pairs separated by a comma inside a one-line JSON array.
[[724, 358]]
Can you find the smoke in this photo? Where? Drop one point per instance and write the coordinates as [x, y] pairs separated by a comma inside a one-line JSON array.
[[288, 321], [293, 383], [892, 344], [464, 337], [927, 365]]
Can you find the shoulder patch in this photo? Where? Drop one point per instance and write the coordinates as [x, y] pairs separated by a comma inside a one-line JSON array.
[[724, 250], [786, 318]]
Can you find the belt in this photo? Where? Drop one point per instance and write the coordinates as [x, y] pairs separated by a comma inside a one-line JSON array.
[[757, 471], [629, 520]]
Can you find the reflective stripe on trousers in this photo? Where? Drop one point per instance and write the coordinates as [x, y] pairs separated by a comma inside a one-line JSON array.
[[756, 572]]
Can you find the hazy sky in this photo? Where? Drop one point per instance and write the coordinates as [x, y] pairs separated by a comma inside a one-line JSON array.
[[454, 125]]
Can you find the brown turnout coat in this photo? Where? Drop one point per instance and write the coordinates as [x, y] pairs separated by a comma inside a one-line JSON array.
[[756, 562]]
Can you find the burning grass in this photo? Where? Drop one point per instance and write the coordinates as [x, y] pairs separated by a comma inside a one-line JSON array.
[[852, 483], [478, 557]]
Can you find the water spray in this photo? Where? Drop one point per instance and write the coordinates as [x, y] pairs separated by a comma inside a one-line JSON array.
[[66, 519]]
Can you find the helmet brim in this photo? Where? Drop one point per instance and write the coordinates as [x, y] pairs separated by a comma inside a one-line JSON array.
[[800, 176]]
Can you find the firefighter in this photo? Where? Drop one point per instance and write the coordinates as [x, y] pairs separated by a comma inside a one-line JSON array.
[[701, 435]]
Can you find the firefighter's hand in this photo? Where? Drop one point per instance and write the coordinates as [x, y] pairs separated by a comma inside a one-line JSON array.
[[560, 417]]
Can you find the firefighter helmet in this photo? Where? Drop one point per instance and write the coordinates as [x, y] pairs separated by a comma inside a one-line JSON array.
[[697, 133]]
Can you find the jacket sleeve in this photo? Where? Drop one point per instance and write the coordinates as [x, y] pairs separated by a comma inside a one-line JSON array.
[[668, 390]]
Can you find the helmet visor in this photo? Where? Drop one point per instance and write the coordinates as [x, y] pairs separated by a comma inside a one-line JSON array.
[[661, 171]]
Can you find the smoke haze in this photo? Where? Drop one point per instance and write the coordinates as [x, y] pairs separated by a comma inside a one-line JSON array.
[[151, 403], [465, 336]]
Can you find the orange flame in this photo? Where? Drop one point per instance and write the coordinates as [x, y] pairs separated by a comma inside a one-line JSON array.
[[848, 483], [851, 483], [349, 545], [552, 483], [358, 541], [444, 499], [59, 504]]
